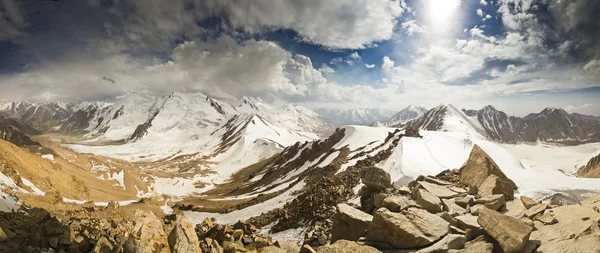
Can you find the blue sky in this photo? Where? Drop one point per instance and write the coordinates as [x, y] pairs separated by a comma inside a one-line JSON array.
[[519, 55]]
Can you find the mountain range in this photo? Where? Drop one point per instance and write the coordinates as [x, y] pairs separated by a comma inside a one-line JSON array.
[[355, 116]]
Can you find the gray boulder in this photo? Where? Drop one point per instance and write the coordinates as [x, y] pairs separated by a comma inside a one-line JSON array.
[[376, 179]]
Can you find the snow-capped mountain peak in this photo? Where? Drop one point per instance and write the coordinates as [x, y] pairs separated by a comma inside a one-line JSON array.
[[409, 113]]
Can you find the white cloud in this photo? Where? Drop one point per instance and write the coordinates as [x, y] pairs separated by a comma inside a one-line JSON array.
[[336, 60], [370, 66], [487, 16], [12, 21], [326, 69], [334, 24], [354, 55], [593, 66], [483, 2], [411, 27], [387, 64], [479, 12]]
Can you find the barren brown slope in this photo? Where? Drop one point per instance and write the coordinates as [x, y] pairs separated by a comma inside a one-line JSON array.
[[66, 178], [591, 169]]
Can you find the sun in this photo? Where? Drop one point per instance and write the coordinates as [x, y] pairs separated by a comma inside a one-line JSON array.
[[441, 13]]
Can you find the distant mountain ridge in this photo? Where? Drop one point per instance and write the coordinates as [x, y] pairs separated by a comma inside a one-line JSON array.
[[550, 125], [132, 115], [409, 113], [355, 116]]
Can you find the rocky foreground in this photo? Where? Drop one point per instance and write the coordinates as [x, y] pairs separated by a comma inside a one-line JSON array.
[[473, 209]]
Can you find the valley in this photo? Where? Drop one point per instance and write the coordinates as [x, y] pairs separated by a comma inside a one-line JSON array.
[[282, 170]]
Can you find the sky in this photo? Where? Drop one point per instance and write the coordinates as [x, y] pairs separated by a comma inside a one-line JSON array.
[[518, 55]]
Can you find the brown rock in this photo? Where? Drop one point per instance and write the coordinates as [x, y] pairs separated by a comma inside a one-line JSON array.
[[451, 207], [510, 234], [478, 167], [479, 245], [428, 201], [398, 203], [344, 246], [528, 202], [570, 231], [535, 210], [447, 243], [447, 217], [306, 249], [546, 218], [496, 185], [349, 223], [409, 229], [378, 199], [493, 202], [288, 246], [183, 237], [441, 191], [103, 246], [469, 222], [147, 235], [465, 201], [376, 178]]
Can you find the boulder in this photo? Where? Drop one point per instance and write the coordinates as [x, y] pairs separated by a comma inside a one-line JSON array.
[[474, 210], [183, 237], [428, 201], [398, 203], [547, 218], [577, 229], [452, 208], [349, 223], [147, 235], [514, 208], [511, 235], [378, 199], [376, 178], [469, 222], [535, 210], [479, 245], [287, 246], [496, 185], [306, 249], [493, 202], [103, 246], [478, 167], [410, 228], [465, 201], [441, 191], [449, 218], [449, 242], [561, 199], [344, 246], [528, 202]]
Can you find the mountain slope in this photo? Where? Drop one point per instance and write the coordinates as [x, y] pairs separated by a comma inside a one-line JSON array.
[[550, 125], [405, 115], [357, 116], [591, 169], [10, 130], [447, 118], [41, 116]]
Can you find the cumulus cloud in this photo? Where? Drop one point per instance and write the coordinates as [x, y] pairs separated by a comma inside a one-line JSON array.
[[12, 21], [354, 55], [333, 24], [388, 64], [479, 12], [411, 27], [326, 69], [370, 66]]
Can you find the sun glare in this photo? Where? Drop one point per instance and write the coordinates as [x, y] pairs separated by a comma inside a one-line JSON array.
[[441, 13]]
